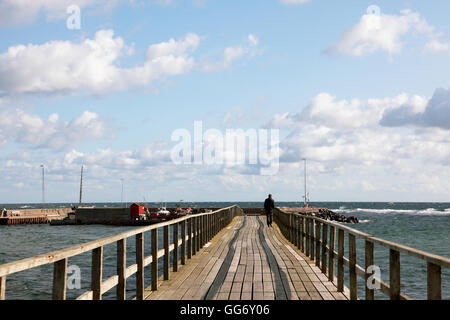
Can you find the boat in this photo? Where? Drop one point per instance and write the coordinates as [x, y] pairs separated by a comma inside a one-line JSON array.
[[163, 213]]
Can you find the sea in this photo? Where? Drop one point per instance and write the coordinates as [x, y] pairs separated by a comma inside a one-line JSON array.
[[424, 226]]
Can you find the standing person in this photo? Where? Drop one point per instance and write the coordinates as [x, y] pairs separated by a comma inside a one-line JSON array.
[[269, 205]]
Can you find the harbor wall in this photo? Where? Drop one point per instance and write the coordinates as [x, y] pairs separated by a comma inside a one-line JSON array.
[[50, 214], [92, 215]]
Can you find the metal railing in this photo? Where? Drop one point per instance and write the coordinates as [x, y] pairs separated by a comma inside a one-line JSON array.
[[316, 238], [200, 229]]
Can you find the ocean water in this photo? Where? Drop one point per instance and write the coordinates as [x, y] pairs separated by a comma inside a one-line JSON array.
[[424, 226]]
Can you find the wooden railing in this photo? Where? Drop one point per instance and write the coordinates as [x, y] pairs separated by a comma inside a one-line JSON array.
[[317, 239], [200, 229]]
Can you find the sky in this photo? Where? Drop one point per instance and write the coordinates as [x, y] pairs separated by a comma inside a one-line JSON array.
[[360, 89]]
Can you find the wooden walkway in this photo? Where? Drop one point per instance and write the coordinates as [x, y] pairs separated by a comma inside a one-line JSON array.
[[248, 261]]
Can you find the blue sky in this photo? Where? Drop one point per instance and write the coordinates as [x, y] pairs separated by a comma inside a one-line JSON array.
[[367, 107]]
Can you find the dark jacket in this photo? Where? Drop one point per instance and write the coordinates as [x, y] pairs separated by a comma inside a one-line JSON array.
[[269, 205]]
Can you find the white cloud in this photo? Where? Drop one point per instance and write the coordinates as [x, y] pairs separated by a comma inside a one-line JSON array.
[[230, 54], [436, 46], [22, 127], [433, 113], [383, 32], [25, 12], [91, 66], [337, 132]]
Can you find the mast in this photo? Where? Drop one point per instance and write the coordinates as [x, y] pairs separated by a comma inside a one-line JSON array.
[[81, 186], [43, 186], [305, 196]]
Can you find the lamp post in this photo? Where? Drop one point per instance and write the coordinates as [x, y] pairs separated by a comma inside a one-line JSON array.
[[121, 195], [306, 195], [43, 186]]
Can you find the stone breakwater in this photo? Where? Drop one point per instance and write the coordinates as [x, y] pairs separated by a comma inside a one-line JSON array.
[[323, 213]]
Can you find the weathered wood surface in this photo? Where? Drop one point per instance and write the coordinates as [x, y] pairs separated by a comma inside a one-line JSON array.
[[247, 261]]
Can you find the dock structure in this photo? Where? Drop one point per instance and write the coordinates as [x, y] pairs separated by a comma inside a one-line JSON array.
[[227, 255], [32, 216]]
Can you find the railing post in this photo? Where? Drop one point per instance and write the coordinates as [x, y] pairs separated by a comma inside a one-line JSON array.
[[312, 243], [166, 252], [290, 228], [175, 247], [59, 279], [140, 266], [394, 274], [434, 281], [3, 288], [324, 247], [370, 293], [307, 246], [352, 266], [318, 243], [197, 237], [202, 231], [189, 253], [97, 271], [331, 254], [296, 231], [183, 242], [155, 259], [194, 235], [340, 270], [301, 231], [121, 269], [208, 228]]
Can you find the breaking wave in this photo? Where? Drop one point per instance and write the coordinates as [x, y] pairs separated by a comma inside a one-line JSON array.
[[429, 211]]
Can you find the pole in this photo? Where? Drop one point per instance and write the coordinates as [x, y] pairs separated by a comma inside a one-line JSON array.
[[306, 201], [81, 185], [121, 195], [43, 187]]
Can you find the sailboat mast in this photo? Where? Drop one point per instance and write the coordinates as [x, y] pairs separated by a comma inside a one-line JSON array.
[[81, 185], [305, 196]]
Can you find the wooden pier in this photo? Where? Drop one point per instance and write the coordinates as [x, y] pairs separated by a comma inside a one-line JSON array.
[[226, 255]]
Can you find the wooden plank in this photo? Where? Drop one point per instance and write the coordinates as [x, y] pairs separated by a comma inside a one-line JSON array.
[[394, 274], [3, 288], [434, 282], [175, 248], [340, 271], [121, 269], [352, 266], [166, 264], [97, 271], [369, 260], [331, 253], [140, 266], [59, 279], [154, 259], [110, 283]]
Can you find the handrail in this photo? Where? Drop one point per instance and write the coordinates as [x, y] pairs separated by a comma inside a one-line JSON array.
[[201, 228], [304, 232]]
